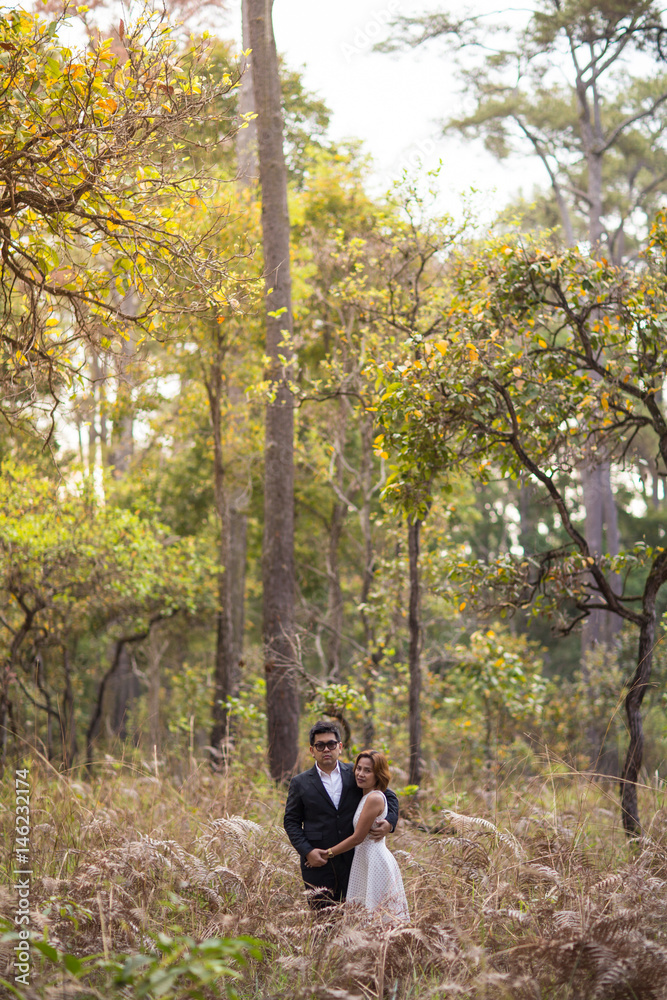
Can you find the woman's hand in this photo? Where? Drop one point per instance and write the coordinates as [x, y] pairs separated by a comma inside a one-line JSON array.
[[379, 829], [316, 858]]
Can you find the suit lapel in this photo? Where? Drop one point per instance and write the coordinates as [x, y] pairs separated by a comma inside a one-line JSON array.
[[316, 784], [347, 774]]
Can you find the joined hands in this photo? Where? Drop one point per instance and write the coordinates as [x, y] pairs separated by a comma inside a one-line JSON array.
[[317, 858]]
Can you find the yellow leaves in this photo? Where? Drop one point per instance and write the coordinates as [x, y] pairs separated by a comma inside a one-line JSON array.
[[473, 353], [542, 342], [52, 321], [377, 446], [604, 400], [462, 605], [441, 345], [108, 104], [517, 371]]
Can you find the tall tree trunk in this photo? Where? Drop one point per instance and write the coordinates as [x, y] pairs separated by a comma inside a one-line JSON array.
[[601, 532], [224, 671], [338, 515], [278, 551], [238, 545], [122, 438], [155, 650], [246, 138], [40, 681], [98, 408], [373, 655], [414, 656], [592, 490], [635, 696], [68, 720], [123, 689]]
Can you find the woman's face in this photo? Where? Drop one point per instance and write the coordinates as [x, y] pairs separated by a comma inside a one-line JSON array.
[[364, 773]]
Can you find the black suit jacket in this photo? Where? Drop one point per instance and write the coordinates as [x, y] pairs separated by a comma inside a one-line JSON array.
[[312, 820]]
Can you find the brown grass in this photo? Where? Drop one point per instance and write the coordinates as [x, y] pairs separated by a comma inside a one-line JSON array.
[[528, 892]]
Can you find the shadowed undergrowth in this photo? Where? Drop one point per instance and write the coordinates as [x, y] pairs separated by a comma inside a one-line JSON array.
[[528, 892]]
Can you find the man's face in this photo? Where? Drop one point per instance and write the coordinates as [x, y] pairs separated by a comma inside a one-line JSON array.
[[326, 750]]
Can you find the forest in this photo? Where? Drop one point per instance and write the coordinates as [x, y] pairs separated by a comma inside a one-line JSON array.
[[277, 448]]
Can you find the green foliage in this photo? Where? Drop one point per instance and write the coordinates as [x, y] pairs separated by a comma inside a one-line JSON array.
[[550, 359], [503, 675], [178, 967]]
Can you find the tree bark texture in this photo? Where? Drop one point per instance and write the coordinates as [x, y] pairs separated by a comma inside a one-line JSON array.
[[155, 650], [122, 438], [601, 533], [238, 546], [635, 696], [373, 654], [278, 551], [336, 524], [414, 656], [246, 138], [224, 669], [67, 717]]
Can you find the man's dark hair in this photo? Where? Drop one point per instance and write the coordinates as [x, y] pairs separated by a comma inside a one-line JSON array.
[[324, 727]]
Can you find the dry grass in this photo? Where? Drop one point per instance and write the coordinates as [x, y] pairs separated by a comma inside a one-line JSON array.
[[528, 892]]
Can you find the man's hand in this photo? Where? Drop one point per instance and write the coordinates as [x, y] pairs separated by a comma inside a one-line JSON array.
[[379, 829], [316, 858]]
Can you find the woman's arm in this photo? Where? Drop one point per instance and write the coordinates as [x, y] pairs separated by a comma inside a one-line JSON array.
[[373, 806]]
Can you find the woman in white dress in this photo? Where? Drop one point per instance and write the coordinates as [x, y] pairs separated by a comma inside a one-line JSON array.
[[375, 879]]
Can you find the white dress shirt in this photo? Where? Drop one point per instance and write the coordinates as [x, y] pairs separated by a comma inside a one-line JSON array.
[[333, 782]]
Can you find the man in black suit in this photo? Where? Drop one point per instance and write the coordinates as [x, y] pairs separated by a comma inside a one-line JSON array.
[[321, 804]]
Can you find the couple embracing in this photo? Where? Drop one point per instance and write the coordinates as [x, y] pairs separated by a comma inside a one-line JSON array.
[[336, 817]]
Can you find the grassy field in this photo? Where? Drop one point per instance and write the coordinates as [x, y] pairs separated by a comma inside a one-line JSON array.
[[526, 890]]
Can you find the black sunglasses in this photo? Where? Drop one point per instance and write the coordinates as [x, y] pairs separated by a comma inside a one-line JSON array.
[[321, 747]]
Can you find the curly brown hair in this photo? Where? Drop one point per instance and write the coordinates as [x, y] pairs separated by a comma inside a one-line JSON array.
[[380, 767]]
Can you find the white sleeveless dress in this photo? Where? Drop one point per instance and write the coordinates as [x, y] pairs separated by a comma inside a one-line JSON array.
[[375, 879]]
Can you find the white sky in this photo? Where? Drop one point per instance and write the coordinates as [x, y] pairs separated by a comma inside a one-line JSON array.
[[394, 102]]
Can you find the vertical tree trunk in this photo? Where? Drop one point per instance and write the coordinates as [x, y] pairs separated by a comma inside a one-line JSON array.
[[655, 486], [414, 656], [635, 752], [238, 545], [338, 515], [67, 719], [224, 672], [123, 689], [373, 655], [635, 697], [278, 551], [155, 651], [592, 489], [246, 138]]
